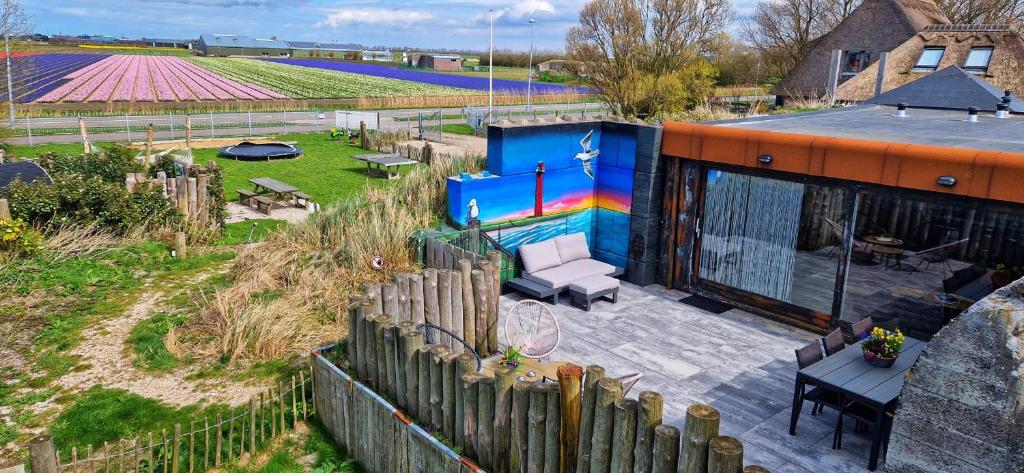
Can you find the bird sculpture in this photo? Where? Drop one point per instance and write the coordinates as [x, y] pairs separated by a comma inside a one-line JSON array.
[[588, 155], [474, 211]]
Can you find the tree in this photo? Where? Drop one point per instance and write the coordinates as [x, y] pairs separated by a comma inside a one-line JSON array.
[[645, 56], [736, 62], [983, 11], [13, 22], [781, 30]]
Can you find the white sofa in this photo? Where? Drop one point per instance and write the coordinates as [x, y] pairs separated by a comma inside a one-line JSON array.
[[550, 266]]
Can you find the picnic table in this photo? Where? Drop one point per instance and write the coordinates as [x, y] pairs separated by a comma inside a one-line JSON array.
[[267, 185], [264, 186], [542, 370], [384, 163], [847, 374]]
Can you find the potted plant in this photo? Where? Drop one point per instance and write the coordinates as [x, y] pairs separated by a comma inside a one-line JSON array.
[[882, 347], [511, 357]]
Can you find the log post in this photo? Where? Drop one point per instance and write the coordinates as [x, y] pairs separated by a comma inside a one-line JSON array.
[[423, 365], [666, 449], [755, 469], [448, 390], [609, 390], [175, 450], [465, 364], [391, 305], [391, 359], [402, 360], [485, 425], [43, 455], [725, 455], [595, 374], [468, 303], [5, 210], [353, 350], [457, 311], [437, 371], [362, 135], [430, 304], [444, 299], [553, 429], [379, 324], [537, 428], [470, 410], [649, 416], [624, 436], [203, 199], [180, 247], [701, 426], [520, 428], [481, 301], [570, 380], [373, 294], [402, 283], [409, 346], [416, 297], [192, 195], [494, 258], [149, 145], [504, 379], [364, 311], [188, 135], [86, 145]]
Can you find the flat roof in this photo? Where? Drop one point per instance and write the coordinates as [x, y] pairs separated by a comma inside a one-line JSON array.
[[945, 128]]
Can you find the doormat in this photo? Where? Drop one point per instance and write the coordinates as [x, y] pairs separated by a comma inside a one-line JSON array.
[[707, 304]]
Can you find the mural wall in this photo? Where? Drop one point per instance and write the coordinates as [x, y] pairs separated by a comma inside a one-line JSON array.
[[545, 180]]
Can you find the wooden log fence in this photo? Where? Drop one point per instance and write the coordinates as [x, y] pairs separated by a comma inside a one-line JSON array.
[[194, 195], [197, 445]]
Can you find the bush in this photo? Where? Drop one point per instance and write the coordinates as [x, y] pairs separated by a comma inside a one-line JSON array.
[[17, 238], [111, 164]]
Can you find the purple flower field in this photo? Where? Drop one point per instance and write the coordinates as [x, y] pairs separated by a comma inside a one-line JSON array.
[[37, 75], [450, 80]]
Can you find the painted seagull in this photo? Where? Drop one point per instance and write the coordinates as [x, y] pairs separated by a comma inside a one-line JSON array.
[[474, 211], [587, 155]]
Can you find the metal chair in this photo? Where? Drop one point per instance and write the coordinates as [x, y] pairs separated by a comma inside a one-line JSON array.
[[532, 328], [821, 397], [628, 381], [838, 232], [833, 342], [434, 335], [939, 254]]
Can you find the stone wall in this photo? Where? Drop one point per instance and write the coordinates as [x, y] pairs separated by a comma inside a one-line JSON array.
[[963, 404]]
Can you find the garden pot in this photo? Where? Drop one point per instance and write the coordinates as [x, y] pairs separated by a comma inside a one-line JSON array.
[[875, 359]]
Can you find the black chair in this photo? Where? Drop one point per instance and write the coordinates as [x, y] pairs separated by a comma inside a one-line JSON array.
[[821, 397], [833, 342], [433, 335], [864, 416]]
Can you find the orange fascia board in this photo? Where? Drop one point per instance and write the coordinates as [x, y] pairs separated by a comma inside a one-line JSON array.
[[983, 174]]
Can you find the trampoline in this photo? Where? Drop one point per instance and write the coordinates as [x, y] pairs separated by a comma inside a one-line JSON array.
[[251, 151]]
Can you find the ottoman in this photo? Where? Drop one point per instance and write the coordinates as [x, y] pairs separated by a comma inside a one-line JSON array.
[[585, 291]]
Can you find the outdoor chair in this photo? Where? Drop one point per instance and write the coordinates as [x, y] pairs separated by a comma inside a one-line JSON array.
[[821, 397], [864, 416], [434, 335], [838, 232], [861, 328], [628, 381], [833, 342], [532, 328], [939, 254]]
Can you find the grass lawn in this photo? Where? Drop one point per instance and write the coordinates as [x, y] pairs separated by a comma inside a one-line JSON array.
[[458, 129]]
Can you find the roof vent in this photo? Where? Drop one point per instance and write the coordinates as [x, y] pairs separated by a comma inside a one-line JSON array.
[[1008, 96], [972, 114], [1003, 110], [901, 110]]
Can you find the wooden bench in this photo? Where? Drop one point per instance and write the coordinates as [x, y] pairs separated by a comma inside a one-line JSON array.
[[245, 197], [296, 196], [261, 202]]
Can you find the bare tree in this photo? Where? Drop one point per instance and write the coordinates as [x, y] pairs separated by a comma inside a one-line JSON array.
[[644, 56], [781, 30], [983, 11], [13, 22]]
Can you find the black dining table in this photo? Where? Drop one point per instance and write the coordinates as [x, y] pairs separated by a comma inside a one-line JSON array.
[[847, 374]]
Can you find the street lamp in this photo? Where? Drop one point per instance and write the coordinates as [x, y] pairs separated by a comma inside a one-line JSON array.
[[529, 72], [490, 73], [10, 86]]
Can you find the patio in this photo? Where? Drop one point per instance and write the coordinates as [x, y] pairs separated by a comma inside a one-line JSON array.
[[742, 364]]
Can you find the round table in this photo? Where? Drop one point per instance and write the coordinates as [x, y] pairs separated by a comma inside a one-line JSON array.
[[887, 249]]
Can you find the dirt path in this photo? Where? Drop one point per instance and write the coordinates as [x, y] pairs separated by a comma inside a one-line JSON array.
[[109, 363]]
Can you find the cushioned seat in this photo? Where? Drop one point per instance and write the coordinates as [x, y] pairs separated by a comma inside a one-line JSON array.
[[562, 276], [593, 285]]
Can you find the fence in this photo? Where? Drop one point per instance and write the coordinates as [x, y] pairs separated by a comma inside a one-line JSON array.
[[204, 446], [445, 251], [197, 196], [582, 423]]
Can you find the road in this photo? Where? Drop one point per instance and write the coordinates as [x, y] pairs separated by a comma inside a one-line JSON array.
[[171, 126]]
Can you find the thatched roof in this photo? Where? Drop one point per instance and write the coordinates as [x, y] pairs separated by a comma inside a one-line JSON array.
[[1004, 70], [875, 26]]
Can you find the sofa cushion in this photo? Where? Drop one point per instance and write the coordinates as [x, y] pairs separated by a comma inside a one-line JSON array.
[[539, 256], [593, 285], [562, 276], [572, 247]]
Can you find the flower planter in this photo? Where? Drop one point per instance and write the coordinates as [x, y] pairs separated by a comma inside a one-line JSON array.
[[874, 359]]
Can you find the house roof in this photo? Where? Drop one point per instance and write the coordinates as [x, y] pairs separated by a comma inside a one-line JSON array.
[[320, 46], [875, 26], [950, 88], [25, 171], [237, 41], [957, 40]]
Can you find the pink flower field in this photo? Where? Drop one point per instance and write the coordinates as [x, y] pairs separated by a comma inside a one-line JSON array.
[[127, 78]]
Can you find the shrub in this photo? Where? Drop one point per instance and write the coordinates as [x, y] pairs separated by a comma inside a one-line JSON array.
[[111, 164], [17, 238]]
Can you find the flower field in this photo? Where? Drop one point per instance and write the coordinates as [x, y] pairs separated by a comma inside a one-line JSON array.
[[449, 80], [36, 74], [320, 83], [127, 78]]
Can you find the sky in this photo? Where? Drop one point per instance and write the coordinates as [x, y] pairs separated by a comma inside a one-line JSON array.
[[454, 24]]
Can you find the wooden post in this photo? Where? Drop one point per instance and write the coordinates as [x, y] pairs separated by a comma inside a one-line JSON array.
[[485, 426], [42, 455], [494, 256], [176, 450], [520, 432], [444, 299], [86, 146], [423, 364], [149, 145], [231, 435], [392, 306], [504, 378], [537, 428], [180, 250], [373, 294], [430, 303], [280, 409], [219, 441], [193, 198], [409, 346], [252, 424], [468, 304], [470, 409], [449, 388], [553, 430], [362, 134], [379, 323], [666, 449], [367, 348], [570, 379], [725, 455], [624, 436], [595, 374], [181, 189], [465, 364], [400, 361], [609, 390], [701, 426], [352, 346], [5, 210], [391, 358], [437, 373], [302, 388], [481, 302], [191, 447], [416, 298], [188, 135], [492, 309], [457, 311], [202, 199], [755, 469], [402, 286], [649, 417], [262, 418]]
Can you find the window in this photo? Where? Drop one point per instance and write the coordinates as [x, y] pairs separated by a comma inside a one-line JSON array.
[[856, 61], [978, 60], [929, 60]]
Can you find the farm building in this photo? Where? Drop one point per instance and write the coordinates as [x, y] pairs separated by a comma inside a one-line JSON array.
[[555, 65], [169, 43], [876, 26], [440, 62], [311, 49], [235, 45], [994, 53], [382, 56]]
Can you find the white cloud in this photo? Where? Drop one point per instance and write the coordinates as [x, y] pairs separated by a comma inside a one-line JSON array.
[[526, 8], [374, 17]]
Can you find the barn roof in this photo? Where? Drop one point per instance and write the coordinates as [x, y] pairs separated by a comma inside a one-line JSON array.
[[25, 171], [320, 46], [237, 41]]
